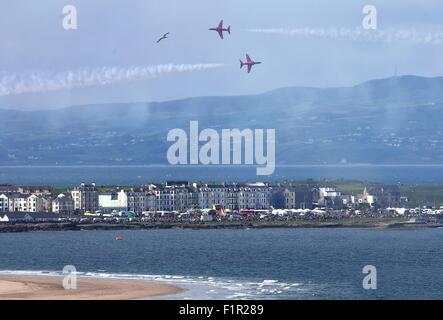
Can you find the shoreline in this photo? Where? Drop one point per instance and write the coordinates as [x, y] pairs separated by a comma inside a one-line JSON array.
[[18, 287], [72, 226]]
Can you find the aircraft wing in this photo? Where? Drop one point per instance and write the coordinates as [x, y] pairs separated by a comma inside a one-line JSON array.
[[248, 59], [220, 26], [220, 33], [249, 68]]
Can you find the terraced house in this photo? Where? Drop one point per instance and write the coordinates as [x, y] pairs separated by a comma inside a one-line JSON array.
[[4, 203], [85, 197], [141, 200]]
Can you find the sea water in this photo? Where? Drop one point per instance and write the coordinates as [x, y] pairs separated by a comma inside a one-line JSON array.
[[243, 264]]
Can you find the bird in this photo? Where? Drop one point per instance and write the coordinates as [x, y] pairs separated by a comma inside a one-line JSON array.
[[164, 37]]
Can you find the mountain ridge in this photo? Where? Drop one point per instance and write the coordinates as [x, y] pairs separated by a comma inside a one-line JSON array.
[[392, 120], [265, 93]]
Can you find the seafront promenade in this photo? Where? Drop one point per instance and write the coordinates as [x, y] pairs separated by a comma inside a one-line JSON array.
[[197, 205], [381, 222]]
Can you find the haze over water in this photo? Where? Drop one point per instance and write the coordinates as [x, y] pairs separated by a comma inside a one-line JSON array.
[[64, 176]]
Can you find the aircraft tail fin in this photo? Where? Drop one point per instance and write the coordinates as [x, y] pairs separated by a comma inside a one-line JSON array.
[[229, 29], [241, 64]]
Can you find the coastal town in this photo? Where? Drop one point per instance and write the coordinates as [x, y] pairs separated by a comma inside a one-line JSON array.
[[182, 201]]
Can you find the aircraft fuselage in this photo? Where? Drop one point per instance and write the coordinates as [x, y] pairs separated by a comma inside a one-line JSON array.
[[219, 29]]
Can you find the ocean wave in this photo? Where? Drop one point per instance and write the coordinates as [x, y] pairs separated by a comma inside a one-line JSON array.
[[197, 287]]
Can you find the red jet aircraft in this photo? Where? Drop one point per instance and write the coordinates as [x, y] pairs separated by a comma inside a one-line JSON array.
[[220, 29], [249, 62]]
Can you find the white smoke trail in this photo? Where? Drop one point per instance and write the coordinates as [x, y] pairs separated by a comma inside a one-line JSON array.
[[359, 34], [13, 83]]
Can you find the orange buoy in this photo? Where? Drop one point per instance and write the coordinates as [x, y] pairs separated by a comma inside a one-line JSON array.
[[119, 238]]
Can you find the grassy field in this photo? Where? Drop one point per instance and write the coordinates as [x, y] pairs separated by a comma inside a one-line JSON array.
[[423, 195], [345, 186], [418, 195]]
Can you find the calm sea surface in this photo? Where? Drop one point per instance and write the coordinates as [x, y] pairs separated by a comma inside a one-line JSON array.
[[244, 264], [62, 176]]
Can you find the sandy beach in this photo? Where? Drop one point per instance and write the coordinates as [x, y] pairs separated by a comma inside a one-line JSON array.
[[51, 288]]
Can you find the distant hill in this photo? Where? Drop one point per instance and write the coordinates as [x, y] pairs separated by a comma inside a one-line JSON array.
[[395, 120]]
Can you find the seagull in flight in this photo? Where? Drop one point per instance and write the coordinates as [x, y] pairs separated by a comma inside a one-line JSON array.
[[164, 37]]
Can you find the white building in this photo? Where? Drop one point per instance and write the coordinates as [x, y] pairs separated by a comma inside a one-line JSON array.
[[235, 197], [23, 203], [85, 197], [329, 192], [172, 198], [212, 195], [63, 204], [366, 198], [141, 200], [18, 202], [75, 195], [254, 197], [290, 199], [4, 203], [34, 203], [109, 202]]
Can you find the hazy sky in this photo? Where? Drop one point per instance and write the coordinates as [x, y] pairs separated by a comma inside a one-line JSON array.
[[114, 56]]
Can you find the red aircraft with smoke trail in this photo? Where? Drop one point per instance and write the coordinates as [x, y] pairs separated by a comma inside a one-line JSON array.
[[220, 29], [249, 62]]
